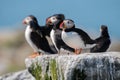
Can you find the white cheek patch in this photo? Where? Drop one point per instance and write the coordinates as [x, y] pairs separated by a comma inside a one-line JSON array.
[[53, 19], [69, 25], [28, 19]]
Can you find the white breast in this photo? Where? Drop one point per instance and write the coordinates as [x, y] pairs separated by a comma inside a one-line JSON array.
[[53, 38], [27, 36], [72, 39]]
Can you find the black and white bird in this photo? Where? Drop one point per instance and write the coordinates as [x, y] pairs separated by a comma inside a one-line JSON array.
[[35, 37], [74, 37], [48, 27], [55, 35], [103, 42]]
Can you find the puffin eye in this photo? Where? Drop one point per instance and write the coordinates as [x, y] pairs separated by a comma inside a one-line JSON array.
[[68, 22], [27, 18]]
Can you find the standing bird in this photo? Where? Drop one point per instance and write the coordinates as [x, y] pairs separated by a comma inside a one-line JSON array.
[[35, 37], [55, 35], [103, 42], [48, 27], [74, 37]]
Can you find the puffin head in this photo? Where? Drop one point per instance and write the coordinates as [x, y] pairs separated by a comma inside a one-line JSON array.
[[54, 18], [104, 31], [67, 24], [103, 28], [30, 18]]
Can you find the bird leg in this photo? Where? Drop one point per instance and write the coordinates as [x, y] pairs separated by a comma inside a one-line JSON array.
[[58, 52], [78, 51], [33, 55]]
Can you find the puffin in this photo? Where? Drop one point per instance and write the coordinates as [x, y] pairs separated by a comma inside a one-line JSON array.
[[55, 36], [74, 37], [48, 27], [103, 42], [35, 36]]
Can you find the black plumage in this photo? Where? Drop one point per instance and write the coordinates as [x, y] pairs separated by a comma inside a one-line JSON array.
[[48, 27], [85, 37], [103, 42], [35, 36]]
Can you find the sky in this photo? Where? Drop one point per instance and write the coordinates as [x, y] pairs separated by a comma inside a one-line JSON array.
[[88, 15]]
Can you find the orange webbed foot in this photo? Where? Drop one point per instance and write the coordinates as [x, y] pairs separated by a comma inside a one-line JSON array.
[[78, 51], [33, 55]]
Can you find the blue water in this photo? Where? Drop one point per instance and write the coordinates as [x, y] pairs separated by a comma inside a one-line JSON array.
[[90, 14]]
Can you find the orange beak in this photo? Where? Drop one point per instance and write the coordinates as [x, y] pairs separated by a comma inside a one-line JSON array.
[[48, 21], [24, 22], [61, 25]]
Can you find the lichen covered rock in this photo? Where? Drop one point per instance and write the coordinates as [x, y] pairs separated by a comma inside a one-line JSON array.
[[87, 66]]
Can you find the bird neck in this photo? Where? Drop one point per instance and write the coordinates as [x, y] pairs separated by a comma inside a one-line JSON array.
[[105, 34], [70, 29], [56, 25], [34, 25]]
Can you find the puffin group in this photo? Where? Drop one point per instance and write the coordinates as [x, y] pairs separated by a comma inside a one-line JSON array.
[[60, 33]]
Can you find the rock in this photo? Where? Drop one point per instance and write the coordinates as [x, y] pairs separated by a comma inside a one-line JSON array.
[[87, 66], [21, 75]]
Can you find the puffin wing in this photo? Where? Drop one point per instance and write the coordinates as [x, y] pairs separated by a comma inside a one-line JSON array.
[[41, 42], [72, 39], [85, 37], [39, 39]]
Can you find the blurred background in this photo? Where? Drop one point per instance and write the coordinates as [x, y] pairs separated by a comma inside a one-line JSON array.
[[88, 15]]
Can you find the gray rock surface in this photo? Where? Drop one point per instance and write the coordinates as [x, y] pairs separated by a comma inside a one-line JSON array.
[[21, 75], [87, 66]]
